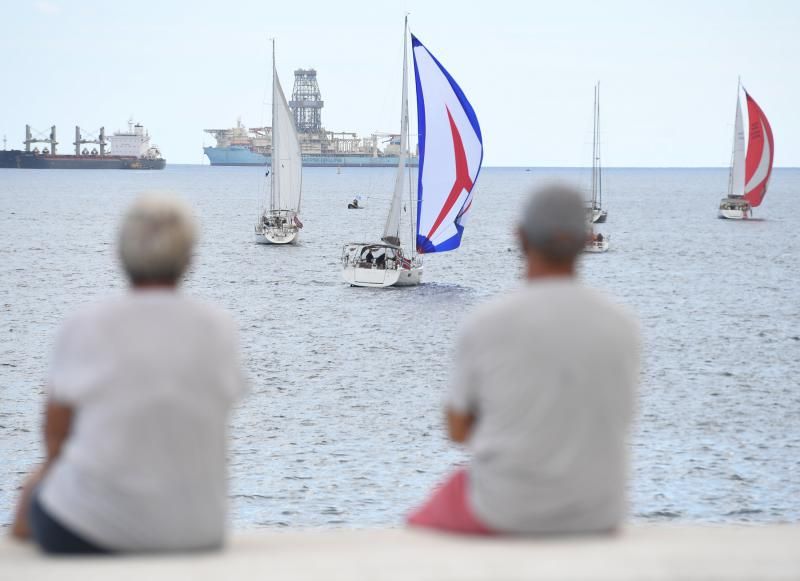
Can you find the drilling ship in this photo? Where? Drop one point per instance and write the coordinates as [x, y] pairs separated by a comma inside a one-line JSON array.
[[241, 145], [129, 149]]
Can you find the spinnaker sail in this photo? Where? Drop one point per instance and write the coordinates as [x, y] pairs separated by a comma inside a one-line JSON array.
[[450, 154], [760, 154]]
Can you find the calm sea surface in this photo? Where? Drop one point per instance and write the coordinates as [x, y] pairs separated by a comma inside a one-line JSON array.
[[343, 423]]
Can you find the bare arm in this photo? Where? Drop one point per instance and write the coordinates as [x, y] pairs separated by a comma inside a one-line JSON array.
[[57, 424], [459, 426]]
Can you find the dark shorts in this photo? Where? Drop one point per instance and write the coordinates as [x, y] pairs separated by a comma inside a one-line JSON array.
[[53, 537]]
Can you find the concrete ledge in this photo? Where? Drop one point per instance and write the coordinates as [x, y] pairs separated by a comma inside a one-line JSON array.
[[643, 552]]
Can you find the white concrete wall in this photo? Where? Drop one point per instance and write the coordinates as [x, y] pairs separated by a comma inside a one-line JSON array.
[[640, 553]]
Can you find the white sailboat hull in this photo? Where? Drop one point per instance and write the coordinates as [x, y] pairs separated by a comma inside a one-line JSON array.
[[277, 236], [596, 215], [378, 266], [735, 209], [278, 227], [382, 277], [733, 215]]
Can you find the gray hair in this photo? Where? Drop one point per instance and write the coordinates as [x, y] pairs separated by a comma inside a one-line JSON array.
[[156, 239], [554, 222]]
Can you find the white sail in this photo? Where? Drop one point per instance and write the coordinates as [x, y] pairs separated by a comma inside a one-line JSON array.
[[287, 161], [737, 163], [596, 182], [391, 232]]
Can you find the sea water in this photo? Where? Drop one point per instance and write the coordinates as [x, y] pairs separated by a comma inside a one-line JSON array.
[[343, 422]]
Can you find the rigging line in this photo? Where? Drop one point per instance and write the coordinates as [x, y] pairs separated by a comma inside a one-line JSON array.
[[733, 147], [275, 138], [599, 144], [261, 188], [594, 149]]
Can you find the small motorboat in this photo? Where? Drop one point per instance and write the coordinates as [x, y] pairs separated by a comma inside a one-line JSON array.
[[596, 243]]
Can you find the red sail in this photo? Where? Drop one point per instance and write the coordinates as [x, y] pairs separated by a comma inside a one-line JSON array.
[[760, 153]]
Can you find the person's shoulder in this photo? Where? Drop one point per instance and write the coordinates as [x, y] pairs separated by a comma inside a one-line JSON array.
[[211, 313], [614, 310], [496, 309], [93, 311]]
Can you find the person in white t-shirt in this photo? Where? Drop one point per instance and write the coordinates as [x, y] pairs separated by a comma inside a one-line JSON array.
[[138, 400], [543, 392]]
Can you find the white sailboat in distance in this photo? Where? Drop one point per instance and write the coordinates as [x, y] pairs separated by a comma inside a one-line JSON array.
[[596, 242], [750, 173], [279, 223], [450, 156], [594, 209]]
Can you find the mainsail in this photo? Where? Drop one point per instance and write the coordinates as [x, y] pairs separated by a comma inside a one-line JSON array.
[[760, 154], [450, 154], [737, 162], [287, 161], [391, 232]]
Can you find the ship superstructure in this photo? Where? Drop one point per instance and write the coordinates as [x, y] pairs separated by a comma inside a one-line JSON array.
[[241, 145]]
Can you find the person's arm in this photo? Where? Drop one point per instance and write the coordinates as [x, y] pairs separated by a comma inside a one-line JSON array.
[[461, 403], [459, 426], [57, 424]]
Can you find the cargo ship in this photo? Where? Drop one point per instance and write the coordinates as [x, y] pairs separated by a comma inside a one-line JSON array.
[[241, 145], [129, 149]]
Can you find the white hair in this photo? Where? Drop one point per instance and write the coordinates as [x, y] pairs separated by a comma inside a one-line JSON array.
[[156, 239]]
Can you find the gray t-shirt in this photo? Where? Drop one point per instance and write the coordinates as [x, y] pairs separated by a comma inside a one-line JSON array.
[[550, 373], [151, 377]]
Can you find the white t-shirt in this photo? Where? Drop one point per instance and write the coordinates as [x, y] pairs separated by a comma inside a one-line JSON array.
[[151, 378], [550, 374]]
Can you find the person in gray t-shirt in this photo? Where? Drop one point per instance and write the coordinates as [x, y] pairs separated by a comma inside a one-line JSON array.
[[138, 402], [543, 392]]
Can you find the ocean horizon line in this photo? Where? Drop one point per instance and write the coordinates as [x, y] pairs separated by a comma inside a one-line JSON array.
[[537, 167]]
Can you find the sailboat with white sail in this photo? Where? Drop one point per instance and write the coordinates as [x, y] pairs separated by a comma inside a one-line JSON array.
[[596, 242], [594, 208], [450, 156], [750, 172], [279, 223]]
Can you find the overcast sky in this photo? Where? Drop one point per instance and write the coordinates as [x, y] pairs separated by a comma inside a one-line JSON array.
[[668, 70]]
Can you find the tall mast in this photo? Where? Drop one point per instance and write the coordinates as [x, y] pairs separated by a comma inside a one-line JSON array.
[[599, 163], [391, 232], [594, 150], [274, 199], [411, 200]]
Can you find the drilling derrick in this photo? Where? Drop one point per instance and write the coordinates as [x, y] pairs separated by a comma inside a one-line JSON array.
[[306, 102]]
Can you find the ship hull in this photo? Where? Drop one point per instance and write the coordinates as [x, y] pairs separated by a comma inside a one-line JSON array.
[[233, 156], [29, 160]]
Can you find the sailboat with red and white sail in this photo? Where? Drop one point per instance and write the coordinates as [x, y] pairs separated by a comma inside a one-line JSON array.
[[450, 156], [750, 171]]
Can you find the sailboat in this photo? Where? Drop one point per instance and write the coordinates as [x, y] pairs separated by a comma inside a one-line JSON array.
[[594, 209], [280, 223], [450, 157], [750, 173], [596, 242]]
